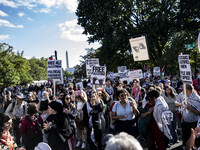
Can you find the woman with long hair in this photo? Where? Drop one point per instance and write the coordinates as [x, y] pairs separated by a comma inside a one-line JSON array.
[[137, 92], [81, 130], [70, 110], [170, 99], [96, 117], [6, 140]]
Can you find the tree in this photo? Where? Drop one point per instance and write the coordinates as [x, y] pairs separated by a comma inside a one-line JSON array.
[[14, 68], [114, 22], [38, 68]]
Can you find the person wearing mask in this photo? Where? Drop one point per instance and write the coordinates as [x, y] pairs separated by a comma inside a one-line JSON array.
[[81, 130], [32, 98]]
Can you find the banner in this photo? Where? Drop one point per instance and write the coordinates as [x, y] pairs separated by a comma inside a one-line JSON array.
[[136, 74], [185, 69], [156, 71], [139, 48], [89, 64], [54, 70], [98, 75]]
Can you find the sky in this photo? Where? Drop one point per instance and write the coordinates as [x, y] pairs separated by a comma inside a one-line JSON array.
[[39, 27]]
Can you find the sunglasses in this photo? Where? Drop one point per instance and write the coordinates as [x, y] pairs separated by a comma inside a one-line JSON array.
[[123, 95], [67, 98], [61, 95]]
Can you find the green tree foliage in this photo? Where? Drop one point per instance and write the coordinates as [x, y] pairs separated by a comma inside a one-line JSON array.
[[167, 24], [14, 68], [38, 68]]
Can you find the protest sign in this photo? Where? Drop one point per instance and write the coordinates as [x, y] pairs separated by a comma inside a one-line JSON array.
[[156, 71], [139, 48], [54, 70], [185, 69], [98, 75], [136, 74], [79, 85], [89, 64], [122, 71]]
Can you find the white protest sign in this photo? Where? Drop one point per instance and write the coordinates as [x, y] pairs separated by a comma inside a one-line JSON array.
[[136, 74], [185, 69], [139, 48], [156, 71], [54, 70], [111, 75], [98, 75], [89, 64], [122, 71], [79, 85]]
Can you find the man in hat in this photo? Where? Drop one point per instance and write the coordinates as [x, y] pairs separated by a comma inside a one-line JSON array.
[[18, 109]]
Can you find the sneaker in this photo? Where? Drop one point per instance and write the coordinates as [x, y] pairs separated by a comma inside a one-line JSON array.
[[83, 145], [78, 144], [177, 141]]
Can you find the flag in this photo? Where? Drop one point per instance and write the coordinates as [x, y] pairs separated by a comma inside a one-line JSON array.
[[162, 73], [199, 42], [145, 67]]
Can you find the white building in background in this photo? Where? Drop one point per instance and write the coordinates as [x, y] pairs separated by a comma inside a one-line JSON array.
[[67, 60]]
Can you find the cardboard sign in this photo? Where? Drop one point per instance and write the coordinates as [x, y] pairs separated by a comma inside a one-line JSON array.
[[156, 71], [98, 75], [89, 64], [136, 74], [185, 69], [54, 70], [79, 84], [139, 48]]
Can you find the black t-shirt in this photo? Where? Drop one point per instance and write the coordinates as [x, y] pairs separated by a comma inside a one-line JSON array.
[[96, 109]]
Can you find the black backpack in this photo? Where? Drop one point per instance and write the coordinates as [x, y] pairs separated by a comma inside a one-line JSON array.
[[67, 132]]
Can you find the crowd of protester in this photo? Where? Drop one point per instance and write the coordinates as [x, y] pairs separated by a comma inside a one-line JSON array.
[[152, 109]]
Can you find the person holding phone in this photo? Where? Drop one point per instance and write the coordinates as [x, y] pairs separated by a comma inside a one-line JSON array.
[[124, 112]]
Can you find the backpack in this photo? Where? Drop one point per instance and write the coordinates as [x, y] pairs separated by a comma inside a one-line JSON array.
[[67, 132], [13, 105]]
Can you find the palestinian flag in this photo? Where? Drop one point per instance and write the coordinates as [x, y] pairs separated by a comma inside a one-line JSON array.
[[162, 73]]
